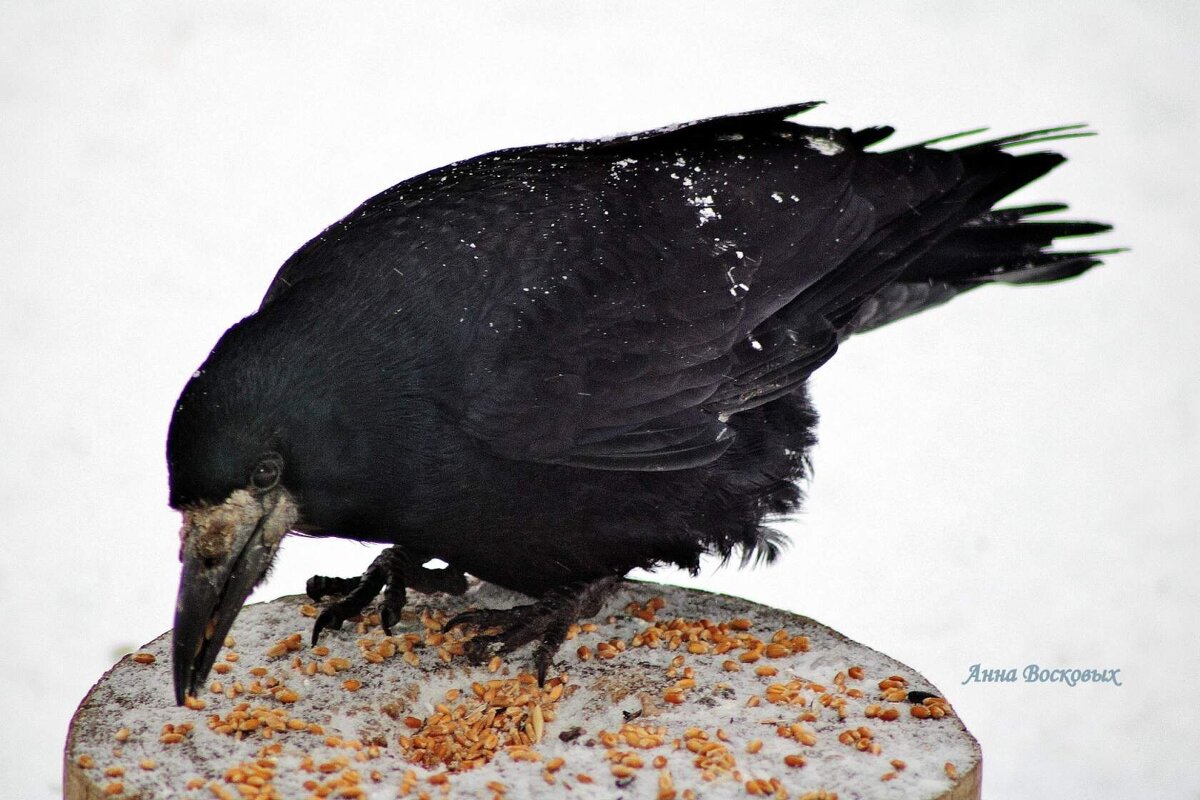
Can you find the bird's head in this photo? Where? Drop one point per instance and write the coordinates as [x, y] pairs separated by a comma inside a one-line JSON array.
[[229, 479]]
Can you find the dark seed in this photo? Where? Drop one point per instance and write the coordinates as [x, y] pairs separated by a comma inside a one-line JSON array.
[[571, 734]]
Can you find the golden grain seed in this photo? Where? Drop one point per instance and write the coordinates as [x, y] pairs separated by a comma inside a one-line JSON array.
[[666, 788], [352, 685], [754, 746], [538, 720], [794, 760], [144, 658], [765, 671], [920, 712], [114, 788], [889, 714], [171, 738]]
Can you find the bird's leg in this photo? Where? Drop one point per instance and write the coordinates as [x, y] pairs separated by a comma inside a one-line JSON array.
[[546, 621], [393, 569]]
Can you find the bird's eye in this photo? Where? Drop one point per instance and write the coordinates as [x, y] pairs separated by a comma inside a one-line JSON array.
[[266, 472]]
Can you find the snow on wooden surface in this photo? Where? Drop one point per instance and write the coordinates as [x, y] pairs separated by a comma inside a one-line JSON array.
[[675, 720]]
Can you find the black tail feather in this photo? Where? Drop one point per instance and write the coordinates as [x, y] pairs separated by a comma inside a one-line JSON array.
[[993, 245], [1002, 246]]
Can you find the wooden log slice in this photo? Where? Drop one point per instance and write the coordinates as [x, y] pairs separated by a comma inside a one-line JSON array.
[[670, 694]]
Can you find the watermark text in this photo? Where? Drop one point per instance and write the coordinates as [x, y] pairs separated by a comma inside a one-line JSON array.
[[1036, 674]]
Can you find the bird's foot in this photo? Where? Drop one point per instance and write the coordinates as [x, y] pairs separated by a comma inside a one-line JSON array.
[[416, 577], [545, 621], [393, 569], [386, 570]]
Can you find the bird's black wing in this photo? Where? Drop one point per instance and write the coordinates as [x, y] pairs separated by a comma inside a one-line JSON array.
[[650, 290], [610, 304]]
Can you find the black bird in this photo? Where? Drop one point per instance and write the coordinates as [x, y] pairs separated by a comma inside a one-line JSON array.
[[547, 366]]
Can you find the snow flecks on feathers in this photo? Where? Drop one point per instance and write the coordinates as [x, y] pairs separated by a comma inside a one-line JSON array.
[[704, 208], [825, 145]]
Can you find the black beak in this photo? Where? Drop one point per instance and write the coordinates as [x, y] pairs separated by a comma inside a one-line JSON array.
[[227, 550]]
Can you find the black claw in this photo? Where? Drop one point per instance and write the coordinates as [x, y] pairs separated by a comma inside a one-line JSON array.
[[327, 619], [387, 620], [543, 658]]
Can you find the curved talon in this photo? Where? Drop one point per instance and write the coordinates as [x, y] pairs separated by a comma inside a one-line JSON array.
[[394, 598], [327, 619], [388, 619], [543, 659]]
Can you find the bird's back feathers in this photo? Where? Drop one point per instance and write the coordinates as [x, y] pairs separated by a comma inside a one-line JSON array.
[[612, 303]]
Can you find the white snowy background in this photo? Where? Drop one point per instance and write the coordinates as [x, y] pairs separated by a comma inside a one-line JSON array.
[[1007, 480]]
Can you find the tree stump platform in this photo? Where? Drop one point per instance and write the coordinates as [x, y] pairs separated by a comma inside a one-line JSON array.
[[668, 694]]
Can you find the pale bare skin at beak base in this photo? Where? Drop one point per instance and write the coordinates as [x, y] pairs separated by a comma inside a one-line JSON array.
[[226, 550]]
